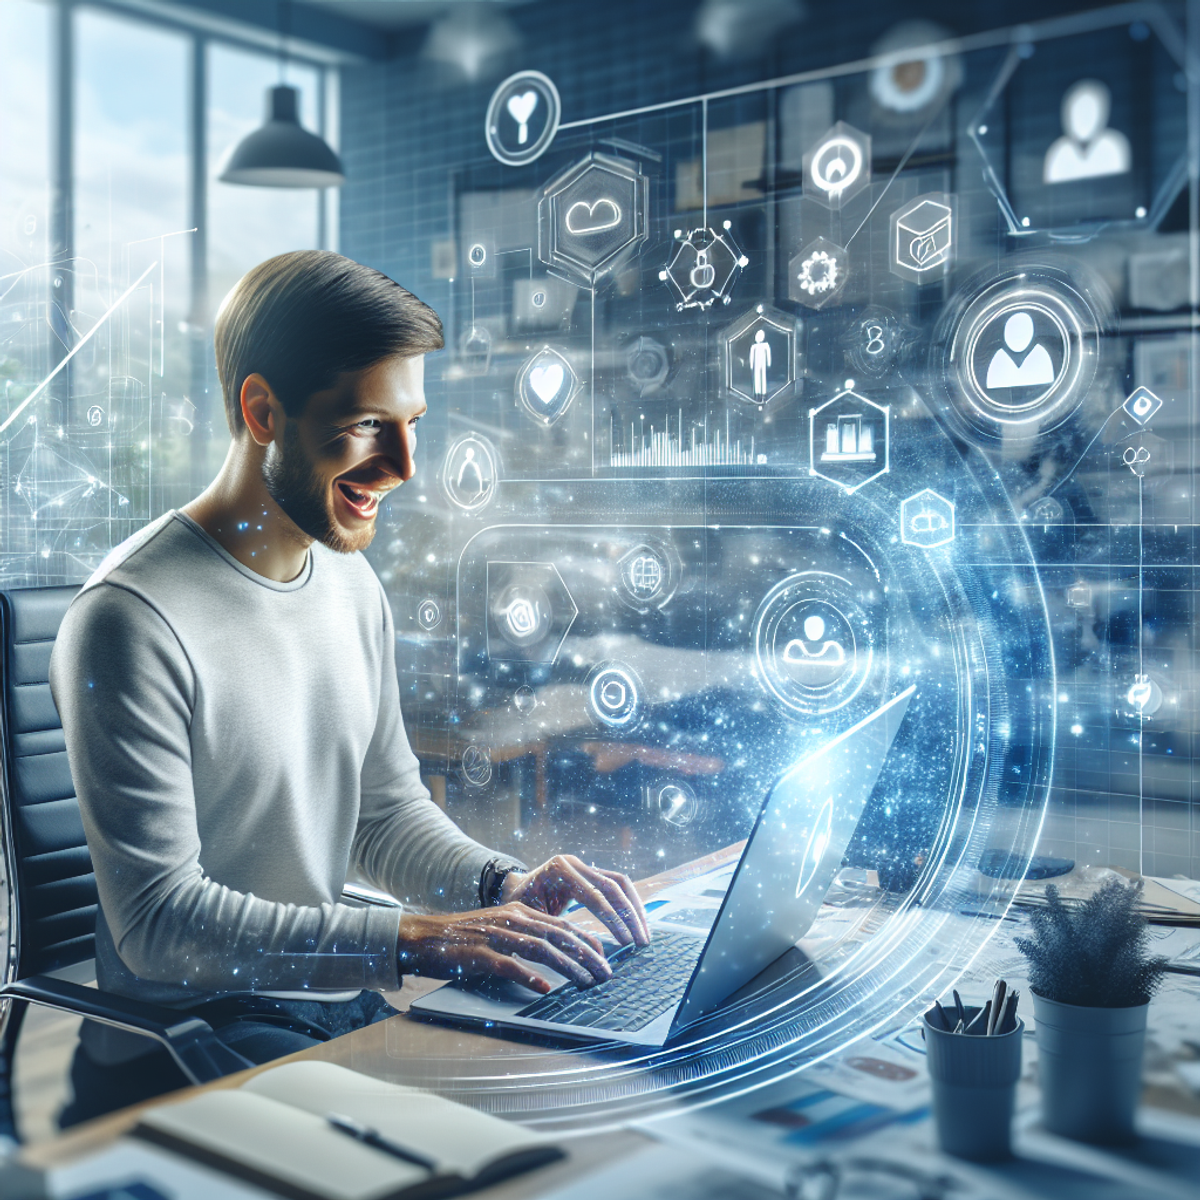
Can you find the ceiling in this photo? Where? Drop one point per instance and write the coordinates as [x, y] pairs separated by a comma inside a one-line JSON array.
[[399, 14]]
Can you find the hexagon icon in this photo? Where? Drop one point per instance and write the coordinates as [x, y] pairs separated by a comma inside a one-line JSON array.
[[704, 267], [838, 167], [922, 237], [759, 355], [529, 612], [818, 273], [848, 440], [927, 520], [592, 217]]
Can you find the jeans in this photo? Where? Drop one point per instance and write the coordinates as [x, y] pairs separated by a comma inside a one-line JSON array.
[[259, 1028]]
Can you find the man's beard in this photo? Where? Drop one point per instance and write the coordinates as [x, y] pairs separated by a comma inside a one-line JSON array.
[[296, 487]]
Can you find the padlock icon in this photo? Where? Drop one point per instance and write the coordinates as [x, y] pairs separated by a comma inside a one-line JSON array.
[[704, 274]]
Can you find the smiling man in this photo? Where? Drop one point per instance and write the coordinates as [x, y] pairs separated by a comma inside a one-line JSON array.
[[227, 684]]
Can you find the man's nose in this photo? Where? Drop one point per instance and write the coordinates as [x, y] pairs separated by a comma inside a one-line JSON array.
[[400, 450]]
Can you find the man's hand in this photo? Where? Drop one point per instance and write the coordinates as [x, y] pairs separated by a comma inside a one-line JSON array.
[[610, 895], [483, 942]]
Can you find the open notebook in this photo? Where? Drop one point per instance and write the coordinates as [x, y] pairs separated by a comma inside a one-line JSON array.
[[273, 1131]]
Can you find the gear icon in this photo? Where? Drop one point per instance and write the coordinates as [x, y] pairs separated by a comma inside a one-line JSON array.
[[818, 273]]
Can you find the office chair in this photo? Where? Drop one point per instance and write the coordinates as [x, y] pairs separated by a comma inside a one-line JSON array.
[[52, 897]]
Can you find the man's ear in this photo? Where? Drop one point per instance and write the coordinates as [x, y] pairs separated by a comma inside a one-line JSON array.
[[260, 409]]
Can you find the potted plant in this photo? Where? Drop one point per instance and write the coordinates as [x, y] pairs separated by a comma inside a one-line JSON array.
[[1092, 980]]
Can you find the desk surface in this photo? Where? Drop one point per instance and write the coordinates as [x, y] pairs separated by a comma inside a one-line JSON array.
[[406, 1050]]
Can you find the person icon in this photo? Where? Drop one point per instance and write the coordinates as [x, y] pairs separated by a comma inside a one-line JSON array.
[[760, 360], [1088, 149], [814, 660], [469, 464], [1035, 369]]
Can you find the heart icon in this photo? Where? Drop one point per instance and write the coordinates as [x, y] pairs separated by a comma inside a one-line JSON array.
[[583, 217], [546, 382], [521, 107]]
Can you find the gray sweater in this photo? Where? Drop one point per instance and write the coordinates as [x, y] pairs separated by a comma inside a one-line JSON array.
[[236, 745]]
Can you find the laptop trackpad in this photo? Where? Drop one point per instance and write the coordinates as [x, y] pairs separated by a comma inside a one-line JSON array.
[[485, 998]]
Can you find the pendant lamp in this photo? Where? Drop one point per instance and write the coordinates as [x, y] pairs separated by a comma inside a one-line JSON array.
[[283, 153]]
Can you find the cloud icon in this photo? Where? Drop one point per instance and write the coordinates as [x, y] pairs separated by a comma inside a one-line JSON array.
[[601, 215]]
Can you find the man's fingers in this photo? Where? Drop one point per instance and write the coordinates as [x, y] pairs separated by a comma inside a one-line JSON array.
[[569, 943], [575, 945], [636, 907], [595, 895], [622, 898], [509, 968], [539, 950], [523, 916]]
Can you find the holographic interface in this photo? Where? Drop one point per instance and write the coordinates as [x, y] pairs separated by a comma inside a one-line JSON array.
[[802, 434], [757, 409]]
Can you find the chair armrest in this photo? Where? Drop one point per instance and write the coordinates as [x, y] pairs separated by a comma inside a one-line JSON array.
[[200, 1055], [360, 895]]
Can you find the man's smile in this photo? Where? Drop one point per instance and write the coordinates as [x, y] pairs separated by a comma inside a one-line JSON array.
[[362, 497]]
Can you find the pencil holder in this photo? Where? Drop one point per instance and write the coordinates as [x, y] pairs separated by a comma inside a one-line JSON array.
[[974, 1088]]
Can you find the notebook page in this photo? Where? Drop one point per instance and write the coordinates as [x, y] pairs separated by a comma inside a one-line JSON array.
[[457, 1138], [279, 1142]]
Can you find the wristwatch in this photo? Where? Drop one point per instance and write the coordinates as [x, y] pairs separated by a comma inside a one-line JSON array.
[[492, 877]]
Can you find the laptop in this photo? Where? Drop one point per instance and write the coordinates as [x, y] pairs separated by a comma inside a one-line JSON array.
[[785, 871]]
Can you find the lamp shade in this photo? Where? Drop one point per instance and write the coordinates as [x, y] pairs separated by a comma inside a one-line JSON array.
[[282, 153]]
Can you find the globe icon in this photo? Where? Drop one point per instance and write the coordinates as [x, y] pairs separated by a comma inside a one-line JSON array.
[[645, 575]]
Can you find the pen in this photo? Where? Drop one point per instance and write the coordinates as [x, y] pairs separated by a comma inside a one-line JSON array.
[[372, 1137], [981, 1015], [941, 1012], [1010, 1013], [997, 1012]]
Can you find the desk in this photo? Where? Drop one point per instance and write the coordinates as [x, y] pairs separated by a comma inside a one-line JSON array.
[[405, 1050]]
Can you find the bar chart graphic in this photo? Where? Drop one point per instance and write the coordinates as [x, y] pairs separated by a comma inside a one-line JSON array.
[[648, 446], [849, 439]]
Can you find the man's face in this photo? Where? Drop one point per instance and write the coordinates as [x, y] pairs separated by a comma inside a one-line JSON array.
[[353, 443]]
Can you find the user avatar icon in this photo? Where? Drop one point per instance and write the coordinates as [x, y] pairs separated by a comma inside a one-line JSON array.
[[758, 353], [1087, 149], [1035, 369], [470, 473], [816, 637], [814, 660], [760, 362]]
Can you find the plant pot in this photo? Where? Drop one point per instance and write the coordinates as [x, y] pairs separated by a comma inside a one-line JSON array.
[[1090, 1068]]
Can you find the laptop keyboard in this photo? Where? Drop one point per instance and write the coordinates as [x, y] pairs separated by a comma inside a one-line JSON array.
[[646, 982]]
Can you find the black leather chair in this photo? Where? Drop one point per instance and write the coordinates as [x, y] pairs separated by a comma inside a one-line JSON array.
[[51, 886]]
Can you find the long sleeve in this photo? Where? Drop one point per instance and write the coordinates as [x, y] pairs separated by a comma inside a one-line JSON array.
[[405, 844], [127, 694]]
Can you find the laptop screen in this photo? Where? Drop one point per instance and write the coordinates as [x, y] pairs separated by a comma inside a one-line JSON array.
[[791, 858]]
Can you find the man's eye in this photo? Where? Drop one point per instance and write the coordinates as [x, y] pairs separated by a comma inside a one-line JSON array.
[[369, 423]]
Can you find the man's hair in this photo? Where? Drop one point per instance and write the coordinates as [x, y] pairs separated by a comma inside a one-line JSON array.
[[302, 319]]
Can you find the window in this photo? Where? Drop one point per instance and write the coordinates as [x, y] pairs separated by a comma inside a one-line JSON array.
[[108, 416]]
